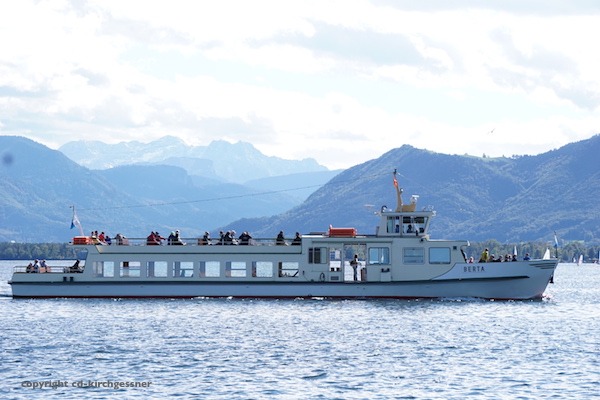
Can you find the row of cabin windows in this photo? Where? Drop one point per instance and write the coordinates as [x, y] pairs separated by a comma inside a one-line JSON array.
[[377, 255], [258, 269], [381, 255], [407, 225], [190, 269]]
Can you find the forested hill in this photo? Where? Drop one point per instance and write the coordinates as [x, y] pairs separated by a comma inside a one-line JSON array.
[[508, 199], [513, 199]]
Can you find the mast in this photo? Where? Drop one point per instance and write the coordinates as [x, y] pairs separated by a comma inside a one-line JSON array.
[[398, 193]]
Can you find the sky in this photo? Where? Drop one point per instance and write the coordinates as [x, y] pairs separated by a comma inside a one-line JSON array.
[[342, 82]]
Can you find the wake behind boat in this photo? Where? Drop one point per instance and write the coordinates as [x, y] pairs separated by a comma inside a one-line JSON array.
[[398, 261]]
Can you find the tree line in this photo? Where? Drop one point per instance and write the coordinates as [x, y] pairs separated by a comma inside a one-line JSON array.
[[566, 253]]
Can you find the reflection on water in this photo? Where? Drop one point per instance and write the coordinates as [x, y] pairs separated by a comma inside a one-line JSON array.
[[309, 349]]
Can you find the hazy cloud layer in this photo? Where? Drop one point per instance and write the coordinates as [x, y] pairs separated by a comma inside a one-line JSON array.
[[340, 81]]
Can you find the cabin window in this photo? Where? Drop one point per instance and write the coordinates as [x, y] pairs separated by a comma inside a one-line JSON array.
[[393, 224], [130, 269], [288, 269], [104, 269], [420, 224], [235, 269], [414, 255], [262, 269], [317, 255], [183, 269], [379, 255], [156, 269], [439, 255], [210, 269]]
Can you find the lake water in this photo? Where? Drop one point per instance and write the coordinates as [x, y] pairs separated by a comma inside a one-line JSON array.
[[305, 349]]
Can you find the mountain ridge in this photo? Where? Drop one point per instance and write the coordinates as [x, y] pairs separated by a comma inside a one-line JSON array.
[[234, 162], [509, 199]]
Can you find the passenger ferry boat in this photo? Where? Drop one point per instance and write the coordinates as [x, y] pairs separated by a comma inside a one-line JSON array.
[[398, 261]]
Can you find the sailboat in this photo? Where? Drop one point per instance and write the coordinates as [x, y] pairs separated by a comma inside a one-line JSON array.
[[580, 260], [546, 255]]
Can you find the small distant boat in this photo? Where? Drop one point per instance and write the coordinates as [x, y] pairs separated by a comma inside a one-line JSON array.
[[398, 261], [580, 259], [546, 255]]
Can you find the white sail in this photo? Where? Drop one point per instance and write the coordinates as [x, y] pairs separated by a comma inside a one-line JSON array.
[[580, 261], [547, 254]]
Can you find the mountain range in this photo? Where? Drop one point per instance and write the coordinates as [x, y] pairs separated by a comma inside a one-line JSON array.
[[219, 161], [509, 199]]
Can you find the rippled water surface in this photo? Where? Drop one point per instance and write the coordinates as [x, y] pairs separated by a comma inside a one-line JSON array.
[[306, 349]]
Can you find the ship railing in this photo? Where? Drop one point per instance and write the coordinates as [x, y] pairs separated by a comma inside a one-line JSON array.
[[54, 269], [192, 242]]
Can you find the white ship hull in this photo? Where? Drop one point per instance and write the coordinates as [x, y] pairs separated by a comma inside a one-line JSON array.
[[399, 261], [502, 281]]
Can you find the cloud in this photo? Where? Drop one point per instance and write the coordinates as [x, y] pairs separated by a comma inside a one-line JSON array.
[[340, 81]]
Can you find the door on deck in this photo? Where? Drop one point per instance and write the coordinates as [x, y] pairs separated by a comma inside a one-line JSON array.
[[349, 250]]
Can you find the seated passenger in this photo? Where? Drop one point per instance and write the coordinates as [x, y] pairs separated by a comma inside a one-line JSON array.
[[44, 267], [205, 239], [297, 239], [245, 238], [75, 267], [280, 239], [152, 240], [176, 239]]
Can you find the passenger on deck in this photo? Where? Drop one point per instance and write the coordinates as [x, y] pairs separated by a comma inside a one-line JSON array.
[[101, 237], [175, 239], [44, 267], [297, 239], [280, 239], [36, 266], [245, 238], [233, 239], [119, 239], [484, 256], [107, 240], [526, 258], [227, 239], [29, 268], [514, 257], [221, 238], [205, 239], [75, 267], [471, 260], [410, 229], [158, 238], [354, 265], [151, 240]]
